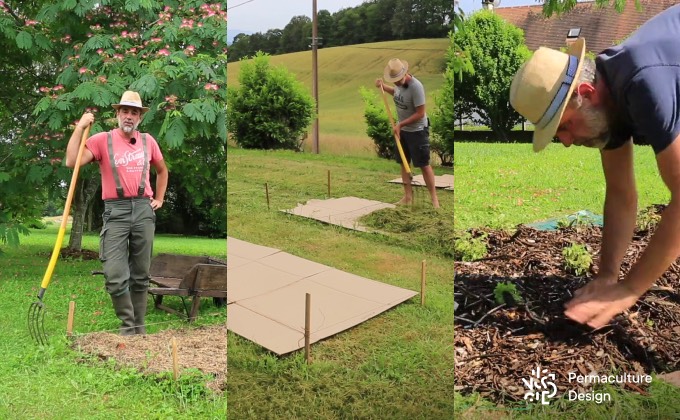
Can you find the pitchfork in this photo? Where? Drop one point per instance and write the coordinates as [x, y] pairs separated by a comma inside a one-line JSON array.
[[36, 312]]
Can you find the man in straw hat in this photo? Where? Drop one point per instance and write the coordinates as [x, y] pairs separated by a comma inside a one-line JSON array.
[[629, 94], [124, 156], [412, 129]]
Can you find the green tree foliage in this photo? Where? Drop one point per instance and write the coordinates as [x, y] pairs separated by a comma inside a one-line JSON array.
[[270, 109], [372, 21], [443, 115], [551, 7], [498, 49], [87, 53]]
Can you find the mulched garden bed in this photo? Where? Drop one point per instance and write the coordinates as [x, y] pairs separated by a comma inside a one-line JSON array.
[[498, 345]]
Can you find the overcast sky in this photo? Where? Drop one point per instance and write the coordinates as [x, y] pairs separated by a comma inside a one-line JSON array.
[[250, 16]]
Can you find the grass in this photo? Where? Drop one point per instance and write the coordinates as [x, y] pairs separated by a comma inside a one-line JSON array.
[[396, 365], [56, 382], [342, 71], [502, 185]]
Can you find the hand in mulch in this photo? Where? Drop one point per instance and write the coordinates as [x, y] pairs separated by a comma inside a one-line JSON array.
[[599, 301]]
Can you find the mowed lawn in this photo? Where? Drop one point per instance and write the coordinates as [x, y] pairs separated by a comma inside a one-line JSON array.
[[342, 71], [503, 185], [56, 382], [397, 365]]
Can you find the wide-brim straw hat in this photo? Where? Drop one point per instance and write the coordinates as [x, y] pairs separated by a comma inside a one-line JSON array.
[[542, 87], [130, 98], [395, 70]]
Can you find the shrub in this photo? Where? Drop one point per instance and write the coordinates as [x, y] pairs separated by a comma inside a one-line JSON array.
[[270, 109], [577, 259], [467, 248], [378, 124]]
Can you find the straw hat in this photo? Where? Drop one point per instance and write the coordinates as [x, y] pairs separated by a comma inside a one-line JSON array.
[[132, 99], [542, 87], [395, 70]]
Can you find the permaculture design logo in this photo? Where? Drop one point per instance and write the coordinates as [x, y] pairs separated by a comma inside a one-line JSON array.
[[540, 386]]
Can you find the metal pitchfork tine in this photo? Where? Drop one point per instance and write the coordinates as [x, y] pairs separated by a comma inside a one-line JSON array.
[[36, 312]]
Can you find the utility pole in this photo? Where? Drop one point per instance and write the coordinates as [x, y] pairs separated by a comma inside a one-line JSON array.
[[315, 81]]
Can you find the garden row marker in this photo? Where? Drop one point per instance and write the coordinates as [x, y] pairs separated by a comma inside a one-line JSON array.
[[308, 315], [329, 183], [266, 191], [36, 312], [422, 283], [69, 322], [175, 368]]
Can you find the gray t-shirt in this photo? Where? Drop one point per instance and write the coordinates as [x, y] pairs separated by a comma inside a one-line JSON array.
[[406, 100]]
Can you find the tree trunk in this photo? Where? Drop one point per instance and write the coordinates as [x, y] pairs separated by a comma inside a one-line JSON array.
[[83, 196]]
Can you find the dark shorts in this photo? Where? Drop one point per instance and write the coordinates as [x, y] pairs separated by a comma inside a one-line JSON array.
[[416, 146]]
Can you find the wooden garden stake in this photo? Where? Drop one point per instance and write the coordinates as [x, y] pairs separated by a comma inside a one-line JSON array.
[[175, 367], [266, 190], [329, 183], [69, 322], [422, 284], [308, 312]]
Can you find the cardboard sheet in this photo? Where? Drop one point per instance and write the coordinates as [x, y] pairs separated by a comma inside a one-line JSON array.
[[345, 211], [266, 298], [440, 181]]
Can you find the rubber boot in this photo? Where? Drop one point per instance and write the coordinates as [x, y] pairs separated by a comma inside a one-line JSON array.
[[139, 300], [122, 304]]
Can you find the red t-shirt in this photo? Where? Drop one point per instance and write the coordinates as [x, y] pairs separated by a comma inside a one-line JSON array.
[[129, 160]]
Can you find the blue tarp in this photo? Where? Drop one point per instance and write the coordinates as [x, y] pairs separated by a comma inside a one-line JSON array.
[[581, 216]]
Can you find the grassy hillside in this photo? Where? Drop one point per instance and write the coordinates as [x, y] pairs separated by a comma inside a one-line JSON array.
[[342, 71]]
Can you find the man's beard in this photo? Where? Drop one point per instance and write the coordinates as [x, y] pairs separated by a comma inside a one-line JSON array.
[[597, 123], [126, 128]]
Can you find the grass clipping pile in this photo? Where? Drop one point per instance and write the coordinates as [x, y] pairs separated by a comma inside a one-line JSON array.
[[203, 348], [499, 344]]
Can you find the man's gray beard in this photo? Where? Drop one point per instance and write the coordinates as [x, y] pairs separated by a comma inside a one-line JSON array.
[[595, 119], [126, 129]]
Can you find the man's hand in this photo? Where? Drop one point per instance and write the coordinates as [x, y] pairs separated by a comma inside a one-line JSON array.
[[397, 129], [156, 204], [378, 83], [86, 120], [599, 301]]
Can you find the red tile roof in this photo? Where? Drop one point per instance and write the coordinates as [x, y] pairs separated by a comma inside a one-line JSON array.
[[601, 27]]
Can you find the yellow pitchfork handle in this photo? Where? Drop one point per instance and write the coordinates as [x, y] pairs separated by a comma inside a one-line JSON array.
[[64, 219], [396, 136]]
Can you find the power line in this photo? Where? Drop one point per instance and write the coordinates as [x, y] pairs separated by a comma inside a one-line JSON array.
[[240, 4]]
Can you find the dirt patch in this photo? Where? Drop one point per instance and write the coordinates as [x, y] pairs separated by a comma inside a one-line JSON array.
[[83, 254], [203, 348], [498, 345]]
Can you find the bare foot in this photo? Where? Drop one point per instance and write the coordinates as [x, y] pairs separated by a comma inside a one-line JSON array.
[[404, 202], [435, 204]]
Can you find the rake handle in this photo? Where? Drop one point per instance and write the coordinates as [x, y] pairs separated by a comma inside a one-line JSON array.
[[396, 136], [64, 219]]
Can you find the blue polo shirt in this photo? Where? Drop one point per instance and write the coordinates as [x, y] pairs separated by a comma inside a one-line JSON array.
[[643, 76]]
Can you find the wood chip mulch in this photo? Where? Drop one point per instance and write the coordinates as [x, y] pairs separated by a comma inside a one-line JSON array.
[[498, 345]]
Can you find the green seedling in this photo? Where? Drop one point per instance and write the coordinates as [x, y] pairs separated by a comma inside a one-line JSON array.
[[507, 293], [575, 221], [577, 259], [647, 219], [467, 248]]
